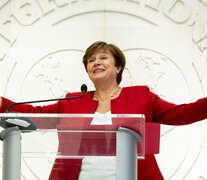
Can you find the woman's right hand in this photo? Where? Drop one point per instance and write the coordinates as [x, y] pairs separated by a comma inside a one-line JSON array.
[[0, 102]]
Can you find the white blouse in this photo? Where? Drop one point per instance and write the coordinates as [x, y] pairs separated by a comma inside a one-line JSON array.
[[102, 119], [99, 167]]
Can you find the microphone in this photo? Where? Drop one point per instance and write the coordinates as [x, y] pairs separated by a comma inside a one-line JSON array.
[[84, 88], [25, 123]]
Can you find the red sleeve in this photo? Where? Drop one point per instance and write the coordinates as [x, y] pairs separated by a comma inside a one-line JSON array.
[[5, 104], [171, 114], [25, 108]]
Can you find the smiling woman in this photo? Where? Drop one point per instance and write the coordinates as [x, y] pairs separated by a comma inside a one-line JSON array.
[[104, 64], [110, 51]]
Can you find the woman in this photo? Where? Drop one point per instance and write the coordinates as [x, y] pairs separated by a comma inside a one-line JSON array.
[[104, 64]]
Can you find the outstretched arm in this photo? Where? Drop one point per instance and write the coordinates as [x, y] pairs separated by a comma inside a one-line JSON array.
[[26, 108], [171, 114]]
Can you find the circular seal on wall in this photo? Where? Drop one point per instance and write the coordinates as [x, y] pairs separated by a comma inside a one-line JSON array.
[[49, 63]]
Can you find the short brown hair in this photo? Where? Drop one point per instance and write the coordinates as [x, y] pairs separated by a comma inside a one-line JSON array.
[[114, 50]]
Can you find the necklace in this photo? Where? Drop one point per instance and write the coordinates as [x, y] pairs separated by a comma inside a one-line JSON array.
[[110, 96]]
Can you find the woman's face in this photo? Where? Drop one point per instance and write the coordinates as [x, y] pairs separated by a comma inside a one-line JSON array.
[[101, 67]]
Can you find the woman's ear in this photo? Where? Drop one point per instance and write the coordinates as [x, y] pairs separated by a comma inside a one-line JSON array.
[[119, 68]]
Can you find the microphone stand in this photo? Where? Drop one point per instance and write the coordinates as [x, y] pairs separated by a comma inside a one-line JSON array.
[[11, 137]]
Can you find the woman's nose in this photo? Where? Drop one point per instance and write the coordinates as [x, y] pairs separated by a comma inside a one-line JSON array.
[[97, 62]]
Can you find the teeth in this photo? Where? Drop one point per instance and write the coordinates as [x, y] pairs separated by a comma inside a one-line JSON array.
[[98, 70]]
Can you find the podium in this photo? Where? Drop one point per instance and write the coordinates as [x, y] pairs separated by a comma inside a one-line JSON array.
[[78, 136]]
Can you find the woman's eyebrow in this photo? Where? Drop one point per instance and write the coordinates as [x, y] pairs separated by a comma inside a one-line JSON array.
[[100, 52], [103, 52]]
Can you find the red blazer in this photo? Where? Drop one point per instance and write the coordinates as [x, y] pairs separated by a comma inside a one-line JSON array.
[[132, 100]]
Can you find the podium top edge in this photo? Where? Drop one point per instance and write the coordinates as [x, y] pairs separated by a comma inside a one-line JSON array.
[[50, 115]]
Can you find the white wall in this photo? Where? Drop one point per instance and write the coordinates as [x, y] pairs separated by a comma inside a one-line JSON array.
[[165, 43]]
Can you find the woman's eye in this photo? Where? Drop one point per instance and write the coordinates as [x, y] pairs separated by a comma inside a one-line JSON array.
[[103, 57], [90, 60]]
